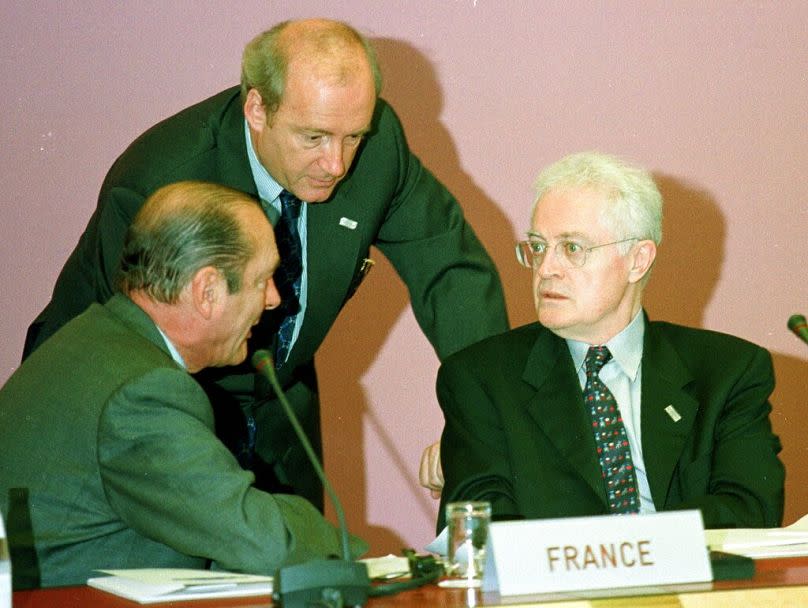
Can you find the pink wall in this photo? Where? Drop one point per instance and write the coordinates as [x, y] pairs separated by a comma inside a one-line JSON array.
[[712, 96]]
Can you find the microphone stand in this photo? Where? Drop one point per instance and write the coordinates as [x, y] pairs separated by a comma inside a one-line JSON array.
[[322, 582]]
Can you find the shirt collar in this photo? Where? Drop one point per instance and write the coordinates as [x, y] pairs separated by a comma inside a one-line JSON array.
[[626, 347], [175, 354], [268, 189]]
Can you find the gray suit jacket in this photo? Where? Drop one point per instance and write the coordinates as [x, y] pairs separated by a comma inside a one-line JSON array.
[[517, 432], [114, 444]]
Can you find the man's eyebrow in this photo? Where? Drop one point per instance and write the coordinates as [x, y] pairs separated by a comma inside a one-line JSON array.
[[317, 131], [308, 130], [564, 235]]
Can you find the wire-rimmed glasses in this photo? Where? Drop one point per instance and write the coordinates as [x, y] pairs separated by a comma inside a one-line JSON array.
[[531, 252]]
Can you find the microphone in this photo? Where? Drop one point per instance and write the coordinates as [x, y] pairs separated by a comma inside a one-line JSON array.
[[323, 582], [799, 326]]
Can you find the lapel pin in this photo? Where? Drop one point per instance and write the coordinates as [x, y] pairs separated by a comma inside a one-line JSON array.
[[673, 413], [348, 223]]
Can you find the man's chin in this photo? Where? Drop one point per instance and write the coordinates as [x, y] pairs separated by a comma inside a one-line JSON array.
[[316, 193], [551, 321], [321, 198], [239, 357]]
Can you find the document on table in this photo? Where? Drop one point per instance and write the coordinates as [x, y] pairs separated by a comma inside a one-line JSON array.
[[762, 543], [151, 585]]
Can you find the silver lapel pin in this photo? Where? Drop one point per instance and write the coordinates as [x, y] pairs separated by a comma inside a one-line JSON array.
[[671, 411], [348, 223]]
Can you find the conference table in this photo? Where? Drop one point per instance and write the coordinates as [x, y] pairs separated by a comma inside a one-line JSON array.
[[777, 582]]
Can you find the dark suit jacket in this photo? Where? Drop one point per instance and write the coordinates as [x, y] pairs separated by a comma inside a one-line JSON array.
[[114, 444], [517, 432], [398, 206]]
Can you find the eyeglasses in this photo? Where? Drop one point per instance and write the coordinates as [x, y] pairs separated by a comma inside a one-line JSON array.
[[531, 253]]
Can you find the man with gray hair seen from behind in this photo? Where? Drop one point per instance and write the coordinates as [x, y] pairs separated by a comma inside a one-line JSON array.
[[308, 134], [597, 409], [110, 442]]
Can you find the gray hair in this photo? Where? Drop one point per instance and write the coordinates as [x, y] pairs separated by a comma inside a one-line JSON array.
[[180, 229], [635, 208], [266, 58]]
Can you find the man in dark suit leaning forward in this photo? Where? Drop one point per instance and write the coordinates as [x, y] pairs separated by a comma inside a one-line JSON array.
[[596, 409], [307, 124], [109, 457]]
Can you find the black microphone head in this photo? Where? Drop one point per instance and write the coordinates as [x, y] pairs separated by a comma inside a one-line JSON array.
[[795, 322], [262, 359]]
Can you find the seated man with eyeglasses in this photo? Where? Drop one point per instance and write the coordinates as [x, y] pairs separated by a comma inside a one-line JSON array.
[[596, 409]]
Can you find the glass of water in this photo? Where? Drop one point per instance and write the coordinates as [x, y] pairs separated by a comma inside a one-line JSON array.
[[467, 524]]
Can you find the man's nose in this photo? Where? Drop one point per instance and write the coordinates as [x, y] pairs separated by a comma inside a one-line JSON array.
[[272, 298], [333, 160], [551, 264]]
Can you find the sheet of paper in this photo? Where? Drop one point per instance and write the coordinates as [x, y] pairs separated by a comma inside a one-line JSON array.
[[150, 585], [761, 543], [187, 577]]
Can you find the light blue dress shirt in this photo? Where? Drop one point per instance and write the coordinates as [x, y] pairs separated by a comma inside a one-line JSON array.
[[270, 191], [623, 376]]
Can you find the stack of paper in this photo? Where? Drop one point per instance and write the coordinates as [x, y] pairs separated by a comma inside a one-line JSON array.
[[151, 585], [791, 541]]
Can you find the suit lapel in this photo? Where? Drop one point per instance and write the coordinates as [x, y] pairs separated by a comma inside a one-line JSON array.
[[664, 397], [557, 407], [332, 253]]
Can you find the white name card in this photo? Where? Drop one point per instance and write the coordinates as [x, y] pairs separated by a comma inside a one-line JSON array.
[[599, 552], [5, 568]]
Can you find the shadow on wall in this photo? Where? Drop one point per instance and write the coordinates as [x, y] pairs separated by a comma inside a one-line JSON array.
[[411, 85], [345, 356], [790, 407], [690, 258], [359, 333]]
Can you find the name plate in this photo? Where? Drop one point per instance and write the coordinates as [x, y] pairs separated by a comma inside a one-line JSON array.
[[599, 552]]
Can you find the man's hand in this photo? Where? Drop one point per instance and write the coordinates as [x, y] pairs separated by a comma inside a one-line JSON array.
[[431, 474]]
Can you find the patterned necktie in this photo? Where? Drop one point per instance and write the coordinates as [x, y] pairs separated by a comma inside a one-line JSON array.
[[614, 452], [287, 277]]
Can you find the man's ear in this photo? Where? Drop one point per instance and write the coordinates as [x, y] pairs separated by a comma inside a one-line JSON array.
[[207, 287], [254, 111], [642, 259]]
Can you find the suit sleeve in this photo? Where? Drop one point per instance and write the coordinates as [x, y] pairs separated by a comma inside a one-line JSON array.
[[167, 476], [453, 284], [474, 455], [746, 478]]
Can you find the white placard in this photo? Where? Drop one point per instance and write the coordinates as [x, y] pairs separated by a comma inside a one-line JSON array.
[[599, 552], [5, 568]]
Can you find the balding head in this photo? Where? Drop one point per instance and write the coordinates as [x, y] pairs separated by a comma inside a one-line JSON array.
[[332, 49], [181, 228]]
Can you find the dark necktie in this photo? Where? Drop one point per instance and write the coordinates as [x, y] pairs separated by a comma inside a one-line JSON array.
[[287, 277], [614, 452]]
